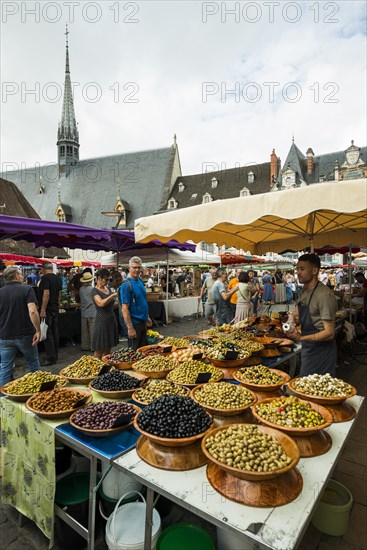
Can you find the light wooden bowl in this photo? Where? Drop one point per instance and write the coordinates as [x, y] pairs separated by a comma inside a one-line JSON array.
[[227, 363], [82, 381], [25, 396], [121, 365], [289, 446], [135, 398], [321, 400], [144, 349], [296, 432], [221, 412], [104, 433], [171, 441], [58, 414], [264, 387], [118, 394], [194, 385]]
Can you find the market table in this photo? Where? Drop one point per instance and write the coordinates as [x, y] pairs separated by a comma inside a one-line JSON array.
[[182, 307], [157, 311], [279, 528], [292, 357]]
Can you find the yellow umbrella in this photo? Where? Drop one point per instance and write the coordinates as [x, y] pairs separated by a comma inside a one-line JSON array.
[[317, 215]]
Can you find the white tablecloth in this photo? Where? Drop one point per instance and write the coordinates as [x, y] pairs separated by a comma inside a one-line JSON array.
[[182, 307]]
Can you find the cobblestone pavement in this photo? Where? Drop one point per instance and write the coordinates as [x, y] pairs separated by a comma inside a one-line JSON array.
[[19, 533]]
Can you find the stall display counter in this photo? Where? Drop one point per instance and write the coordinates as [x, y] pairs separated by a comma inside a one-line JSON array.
[[279, 528]]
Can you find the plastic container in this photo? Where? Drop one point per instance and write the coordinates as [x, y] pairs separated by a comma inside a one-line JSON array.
[[108, 504], [125, 526], [332, 512], [72, 494], [184, 536], [229, 541], [116, 483]]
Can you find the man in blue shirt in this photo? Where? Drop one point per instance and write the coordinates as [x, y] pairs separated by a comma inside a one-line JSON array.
[[134, 305]]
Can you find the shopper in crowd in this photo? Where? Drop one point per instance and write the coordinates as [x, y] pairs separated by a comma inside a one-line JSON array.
[[19, 324], [280, 295], [323, 276], [221, 295], [207, 289], [268, 294], [105, 335], [2, 268], [33, 278], [339, 279], [88, 312], [361, 279], [255, 290], [116, 281], [49, 292], [290, 286], [133, 298], [232, 283], [244, 306], [331, 282], [315, 312]]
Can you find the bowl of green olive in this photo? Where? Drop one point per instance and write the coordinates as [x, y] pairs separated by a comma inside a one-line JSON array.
[[261, 378], [253, 453], [223, 398]]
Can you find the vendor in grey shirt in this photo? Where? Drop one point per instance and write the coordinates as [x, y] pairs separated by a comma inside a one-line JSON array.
[[222, 298], [207, 287], [88, 311]]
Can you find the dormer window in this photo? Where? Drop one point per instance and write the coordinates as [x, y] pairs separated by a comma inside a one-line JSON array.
[[245, 192], [193, 196], [214, 183], [207, 198], [172, 203], [181, 187], [250, 177]]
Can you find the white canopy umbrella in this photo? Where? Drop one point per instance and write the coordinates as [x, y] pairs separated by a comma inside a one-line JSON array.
[[172, 256]]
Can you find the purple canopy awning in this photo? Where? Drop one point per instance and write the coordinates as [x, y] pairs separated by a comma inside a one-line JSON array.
[[48, 233]]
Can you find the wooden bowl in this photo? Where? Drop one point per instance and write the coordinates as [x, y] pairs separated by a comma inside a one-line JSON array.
[[118, 394], [171, 441], [154, 374], [25, 396], [121, 365], [144, 349], [104, 433], [82, 381], [59, 414], [264, 387], [294, 432], [226, 363], [221, 412], [321, 400], [135, 398], [286, 442], [194, 385], [199, 336]]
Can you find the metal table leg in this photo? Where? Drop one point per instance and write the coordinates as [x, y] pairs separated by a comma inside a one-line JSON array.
[[92, 502], [149, 519]]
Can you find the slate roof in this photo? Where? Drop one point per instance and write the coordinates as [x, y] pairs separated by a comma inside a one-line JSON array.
[[91, 186], [230, 183], [13, 203]]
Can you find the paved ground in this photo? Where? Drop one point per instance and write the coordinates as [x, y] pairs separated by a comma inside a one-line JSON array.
[[351, 470]]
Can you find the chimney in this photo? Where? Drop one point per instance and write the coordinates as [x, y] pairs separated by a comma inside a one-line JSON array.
[[274, 166], [310, 154]]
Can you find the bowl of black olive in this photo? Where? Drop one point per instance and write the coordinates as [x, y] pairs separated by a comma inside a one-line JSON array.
[[173, 421], [116, 384], [104, 418]]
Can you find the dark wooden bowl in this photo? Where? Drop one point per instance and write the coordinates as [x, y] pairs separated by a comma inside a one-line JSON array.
[[104, 433], [144, 349], [289, 446], [296, 432], [264, 387], [58, 414], [171, 441], [321, 400], [121, 365], [222, 412], [25, 396]]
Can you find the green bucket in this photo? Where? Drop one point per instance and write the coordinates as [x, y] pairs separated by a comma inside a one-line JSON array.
[[72, 493], [184, 536], [332, 513]]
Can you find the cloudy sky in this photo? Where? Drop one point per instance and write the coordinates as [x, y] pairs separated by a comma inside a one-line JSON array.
[[233, 80]]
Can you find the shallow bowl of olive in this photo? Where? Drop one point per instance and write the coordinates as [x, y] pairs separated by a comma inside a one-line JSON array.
[[227, 363], [22, 398], [171, 441], [219, 411], [54, 415], [335, 400], [82, 381], [289, 446], [296, 432], [263, 387], [104, 432], [121, 365]]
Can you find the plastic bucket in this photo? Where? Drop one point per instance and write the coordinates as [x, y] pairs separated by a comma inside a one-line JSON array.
[[332, 513], [108, 504], [229, 541], [72, 494], [184, 536], [116, 483], [125, 527]]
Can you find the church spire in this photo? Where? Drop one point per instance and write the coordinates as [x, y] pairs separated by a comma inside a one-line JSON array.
[[68, 135]]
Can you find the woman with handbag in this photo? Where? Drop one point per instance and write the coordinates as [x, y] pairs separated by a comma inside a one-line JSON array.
[[244, 306]]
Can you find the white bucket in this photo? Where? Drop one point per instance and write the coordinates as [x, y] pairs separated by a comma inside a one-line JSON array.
[[229, 541], [125, 527], [116, 483]]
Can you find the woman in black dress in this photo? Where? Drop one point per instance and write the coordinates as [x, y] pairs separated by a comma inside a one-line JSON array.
[[105, 335]]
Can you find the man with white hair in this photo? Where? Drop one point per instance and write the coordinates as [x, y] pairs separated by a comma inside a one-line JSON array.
[[134, 305]]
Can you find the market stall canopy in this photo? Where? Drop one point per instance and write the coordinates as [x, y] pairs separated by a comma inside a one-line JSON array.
[[316, 215], [163, 254], [47, 233]]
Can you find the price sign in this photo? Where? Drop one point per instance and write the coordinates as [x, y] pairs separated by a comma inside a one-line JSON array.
[[104, 369], [166, 349], [231, 355], [81, 402], [123, 419], [203, 377], [197, 356], [46, 386]]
